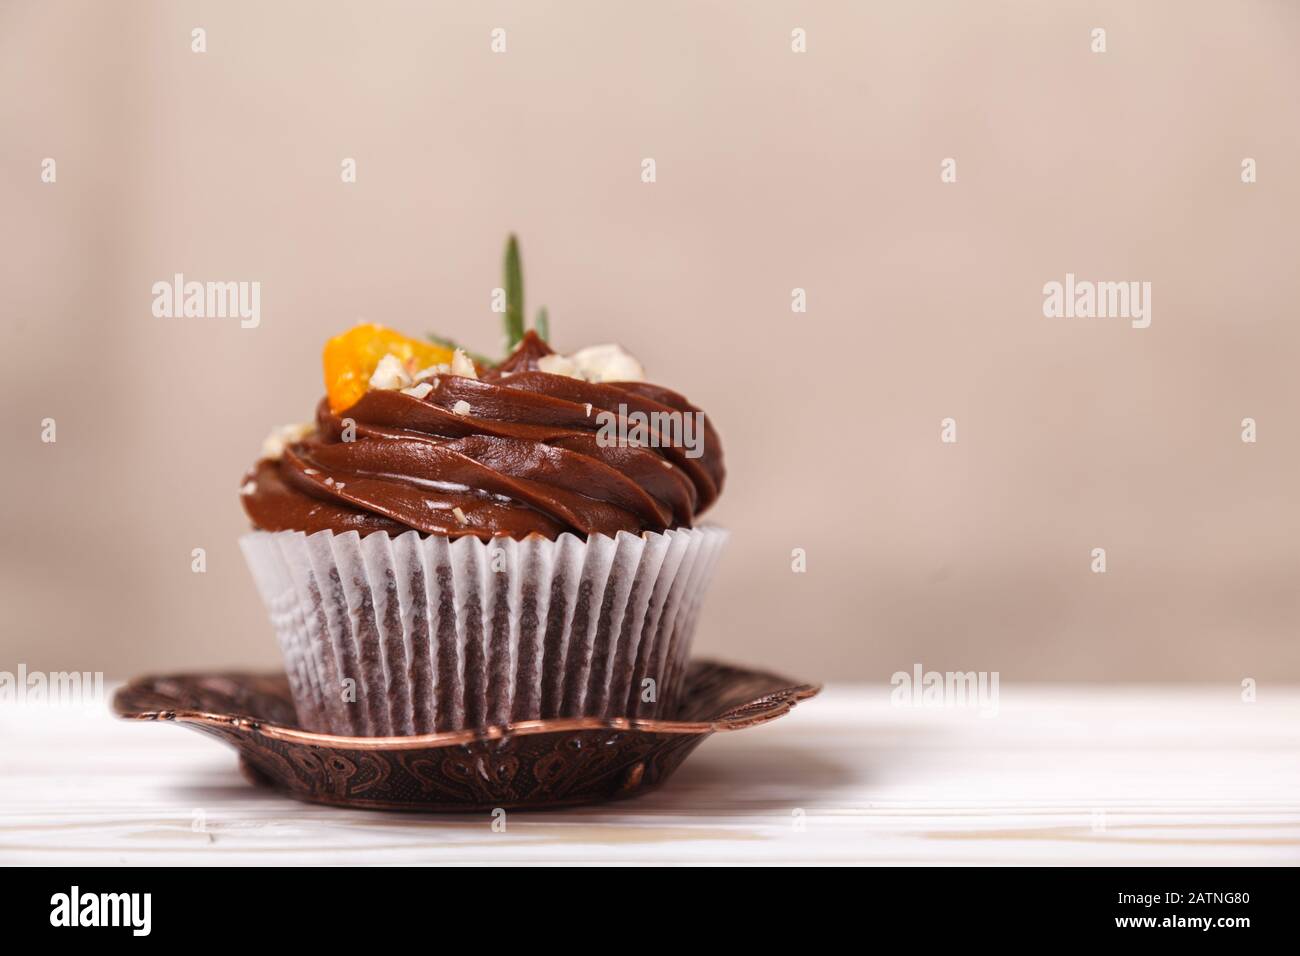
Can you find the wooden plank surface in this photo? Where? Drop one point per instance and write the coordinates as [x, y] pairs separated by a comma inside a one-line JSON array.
[[1123, 775]]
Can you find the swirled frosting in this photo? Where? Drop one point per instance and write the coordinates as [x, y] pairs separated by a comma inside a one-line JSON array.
[[512, 453]]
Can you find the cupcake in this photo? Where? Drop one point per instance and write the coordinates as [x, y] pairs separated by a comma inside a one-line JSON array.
[[457, 543]]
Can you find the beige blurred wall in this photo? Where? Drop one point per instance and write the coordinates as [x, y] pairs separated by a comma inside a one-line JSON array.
[[775, 170]]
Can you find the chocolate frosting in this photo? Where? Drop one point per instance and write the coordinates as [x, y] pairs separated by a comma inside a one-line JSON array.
[[523, 460]]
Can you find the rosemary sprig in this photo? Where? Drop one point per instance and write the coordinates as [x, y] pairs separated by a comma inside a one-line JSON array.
[[514, 315], [514, 294]]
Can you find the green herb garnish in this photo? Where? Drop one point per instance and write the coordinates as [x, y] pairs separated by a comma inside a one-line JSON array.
[[514, 295], [514, 315]]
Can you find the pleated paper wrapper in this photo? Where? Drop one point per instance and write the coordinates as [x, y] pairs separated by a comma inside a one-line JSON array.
[[392, 636]]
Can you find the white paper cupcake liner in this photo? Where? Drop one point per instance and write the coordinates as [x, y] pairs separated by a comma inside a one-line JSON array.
[[390, 636]]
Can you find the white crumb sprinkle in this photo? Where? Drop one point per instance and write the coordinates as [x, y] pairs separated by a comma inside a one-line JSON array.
[[558, 365], [432, 372], [390, 373], [418, 391], [607, 363], [274, 444], [665, 462], [310, 471], [460, 515], [461, 407], [461, 365], [248, 488], [596, 363], [587, 406]]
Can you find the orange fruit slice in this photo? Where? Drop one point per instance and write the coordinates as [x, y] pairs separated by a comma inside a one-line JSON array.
[[351, 358]]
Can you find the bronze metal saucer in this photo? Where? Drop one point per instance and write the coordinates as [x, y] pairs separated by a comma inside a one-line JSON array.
[[530, 764]]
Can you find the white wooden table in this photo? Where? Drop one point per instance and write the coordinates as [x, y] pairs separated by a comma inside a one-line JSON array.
[[1126, 775]]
